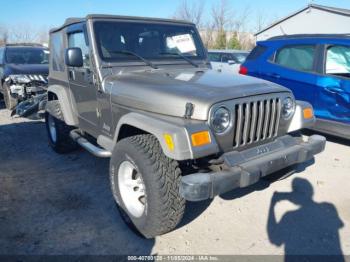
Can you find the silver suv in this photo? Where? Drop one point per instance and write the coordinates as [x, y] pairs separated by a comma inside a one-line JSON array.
[[140, 91]]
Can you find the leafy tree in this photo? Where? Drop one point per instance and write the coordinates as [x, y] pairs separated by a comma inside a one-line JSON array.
[[234, 43]]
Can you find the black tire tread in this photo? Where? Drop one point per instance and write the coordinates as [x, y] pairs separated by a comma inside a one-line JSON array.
[[168, 175], [65, 143], [10, 102]]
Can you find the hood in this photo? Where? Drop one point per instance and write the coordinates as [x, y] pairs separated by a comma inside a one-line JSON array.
[[168, 92], [25, 69]]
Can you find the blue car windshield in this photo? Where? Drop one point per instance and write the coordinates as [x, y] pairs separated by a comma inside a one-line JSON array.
[[156, 41]]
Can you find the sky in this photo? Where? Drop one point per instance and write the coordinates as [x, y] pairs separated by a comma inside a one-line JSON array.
[[51, 13]]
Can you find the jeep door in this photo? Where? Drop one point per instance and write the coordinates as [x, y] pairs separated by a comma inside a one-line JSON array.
[[333, 95], [81, 81]]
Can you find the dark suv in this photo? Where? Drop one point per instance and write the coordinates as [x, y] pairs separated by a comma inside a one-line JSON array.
[[23, 72]]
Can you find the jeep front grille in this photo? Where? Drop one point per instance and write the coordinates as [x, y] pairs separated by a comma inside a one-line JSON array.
[[255, 121]]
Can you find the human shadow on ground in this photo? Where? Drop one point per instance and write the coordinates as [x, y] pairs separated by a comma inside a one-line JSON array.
[[311, 230]]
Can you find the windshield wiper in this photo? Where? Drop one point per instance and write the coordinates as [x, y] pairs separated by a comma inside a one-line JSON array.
[[183, 57], [126, 52]]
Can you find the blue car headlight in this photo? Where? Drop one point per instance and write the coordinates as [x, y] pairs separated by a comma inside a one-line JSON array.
[[20, 79]]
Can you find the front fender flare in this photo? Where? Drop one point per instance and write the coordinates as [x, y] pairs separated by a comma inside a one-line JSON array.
[[179, 129], [158, 127]]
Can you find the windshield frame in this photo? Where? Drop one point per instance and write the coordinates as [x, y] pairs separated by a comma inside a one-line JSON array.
[[129, 60], [26, 49]]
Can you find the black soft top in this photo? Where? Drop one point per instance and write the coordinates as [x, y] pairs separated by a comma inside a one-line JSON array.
[[76, 20]]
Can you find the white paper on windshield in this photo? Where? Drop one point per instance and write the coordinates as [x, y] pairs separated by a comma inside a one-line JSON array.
[[184, 43]]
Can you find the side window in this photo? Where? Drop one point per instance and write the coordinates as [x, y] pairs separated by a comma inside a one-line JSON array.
[[56, 52], [300, 58], [338, 61], [77, 39], [214, 57]]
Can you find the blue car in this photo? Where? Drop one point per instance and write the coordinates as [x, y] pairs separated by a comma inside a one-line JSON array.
[[316, 68]]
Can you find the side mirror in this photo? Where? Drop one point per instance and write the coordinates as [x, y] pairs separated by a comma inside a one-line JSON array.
[[74, 57], [231, 62]]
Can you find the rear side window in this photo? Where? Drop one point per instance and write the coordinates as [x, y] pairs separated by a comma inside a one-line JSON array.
[[338, 61], [300, 58], [57, 52], [256, 52]]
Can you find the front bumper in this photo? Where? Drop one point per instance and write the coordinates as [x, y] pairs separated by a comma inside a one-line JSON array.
[[247, 167]]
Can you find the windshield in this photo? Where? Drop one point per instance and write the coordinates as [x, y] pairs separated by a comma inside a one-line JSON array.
[[150, 41], [19, 55]]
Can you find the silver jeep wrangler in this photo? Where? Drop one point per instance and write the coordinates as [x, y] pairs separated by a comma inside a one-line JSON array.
[[140, 91]]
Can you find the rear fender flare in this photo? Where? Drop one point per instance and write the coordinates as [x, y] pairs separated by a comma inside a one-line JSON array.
[[64, 97]]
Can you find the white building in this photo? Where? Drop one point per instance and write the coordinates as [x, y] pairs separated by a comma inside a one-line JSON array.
[[313, 19]]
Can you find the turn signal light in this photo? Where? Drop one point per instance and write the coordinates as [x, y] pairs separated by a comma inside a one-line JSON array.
[[308, 113], [201, 138]]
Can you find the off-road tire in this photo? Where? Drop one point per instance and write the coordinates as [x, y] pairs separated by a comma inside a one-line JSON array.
[[63, 143], [10, 102], [161, 176]]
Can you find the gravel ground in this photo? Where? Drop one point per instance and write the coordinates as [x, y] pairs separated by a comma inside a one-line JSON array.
[[62, 204]]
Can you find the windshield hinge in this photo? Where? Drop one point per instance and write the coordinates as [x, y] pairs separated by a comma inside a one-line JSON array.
[[189, 110]]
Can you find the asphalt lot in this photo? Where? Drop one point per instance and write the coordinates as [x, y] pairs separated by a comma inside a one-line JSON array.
[[62, 204]]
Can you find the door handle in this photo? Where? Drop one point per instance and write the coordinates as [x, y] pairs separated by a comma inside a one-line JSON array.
[[273, 75], [333, 89]]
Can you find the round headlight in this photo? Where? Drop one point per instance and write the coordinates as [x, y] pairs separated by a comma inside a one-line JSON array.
[[288, 108], [220, 120]]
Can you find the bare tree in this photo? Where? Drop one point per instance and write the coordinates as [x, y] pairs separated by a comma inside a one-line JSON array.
[[191, 12], [261, 21], [207, 34], [3, 34], [240, 23], [222, 15], [23, 33], [43, 35], [20, 33]]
